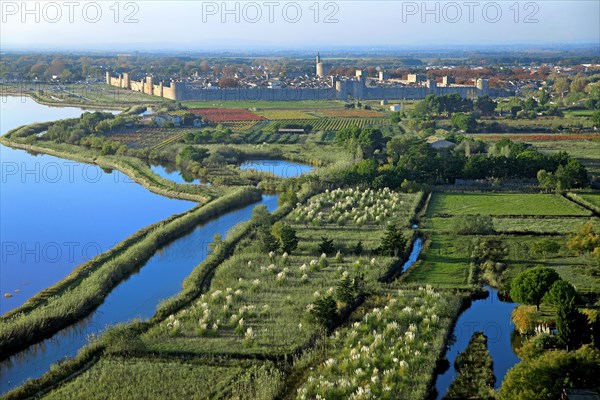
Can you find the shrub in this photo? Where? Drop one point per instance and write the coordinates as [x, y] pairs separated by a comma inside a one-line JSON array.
[[472, 225], [544, 377], [525, 318], [475, 373]]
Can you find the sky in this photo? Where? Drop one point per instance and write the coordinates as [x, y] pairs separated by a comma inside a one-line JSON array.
[[210, 25]]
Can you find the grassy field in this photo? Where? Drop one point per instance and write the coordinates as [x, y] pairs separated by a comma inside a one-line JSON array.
[[390, 353], [586, 151], [509, 224], [133, 378], [445, 263], [285, 114], [503, 204], [593, 198], [270, 295], [447, 258]]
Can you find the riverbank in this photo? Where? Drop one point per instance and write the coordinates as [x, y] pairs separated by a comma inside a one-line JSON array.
[[87, 286], [91, 105], [134, 168]]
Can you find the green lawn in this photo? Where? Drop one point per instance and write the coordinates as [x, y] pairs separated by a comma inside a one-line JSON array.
[[446, 262], [503, 204]]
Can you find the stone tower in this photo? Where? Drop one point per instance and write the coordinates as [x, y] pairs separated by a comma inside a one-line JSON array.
[[483, 86], [320, 67]]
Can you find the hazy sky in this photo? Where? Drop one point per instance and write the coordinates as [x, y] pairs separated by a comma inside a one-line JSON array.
[[198, 25]]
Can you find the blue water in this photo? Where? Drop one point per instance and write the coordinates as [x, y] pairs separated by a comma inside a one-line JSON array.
[[137, 297], [172, 173], [282, 168], [493, 318], [56, 214], [414, 254]]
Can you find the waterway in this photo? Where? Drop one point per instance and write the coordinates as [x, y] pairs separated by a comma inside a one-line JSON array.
[[56, 214]]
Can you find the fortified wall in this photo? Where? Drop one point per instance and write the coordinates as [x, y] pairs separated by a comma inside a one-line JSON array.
[[341, 89]]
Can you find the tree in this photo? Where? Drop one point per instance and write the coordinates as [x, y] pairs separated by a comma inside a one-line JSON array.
[[596, 119], [544, 377], [585, 240], [191, 153], [561, 85], [349, 289], [530, 286], [261, 217], [486, 105], [358, 248], [326, 246], [464, 122], [289, 196], [393, 242], [572, 326], [286, 236], [268, 242], [489, 249], [561, 292], [545, 246], [216, 242], [226, 82], [571, 175], [324, 311], [547, 180]]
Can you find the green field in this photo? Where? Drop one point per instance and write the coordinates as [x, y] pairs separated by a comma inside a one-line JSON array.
[[593, 198], [445, 264], [588, 152], [270, 294], [509, 224], [447, 258], [131, 378], [392, 342], [503, 204]]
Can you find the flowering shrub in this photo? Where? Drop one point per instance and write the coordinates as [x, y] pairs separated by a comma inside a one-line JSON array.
[[390, 354], [355, 207]]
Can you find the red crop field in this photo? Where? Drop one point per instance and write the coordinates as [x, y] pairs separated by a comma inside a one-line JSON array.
[[540, 137], [226, 114]]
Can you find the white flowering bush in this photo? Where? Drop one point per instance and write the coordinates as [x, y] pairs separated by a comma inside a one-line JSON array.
[[258, 298], [355, 207], [390, 354]]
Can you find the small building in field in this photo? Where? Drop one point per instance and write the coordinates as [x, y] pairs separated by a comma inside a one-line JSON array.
[[440, 144], [395, 107]]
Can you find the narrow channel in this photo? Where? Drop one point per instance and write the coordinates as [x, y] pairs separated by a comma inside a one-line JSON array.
[[137, 297], [414, 254], [494, 318]]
